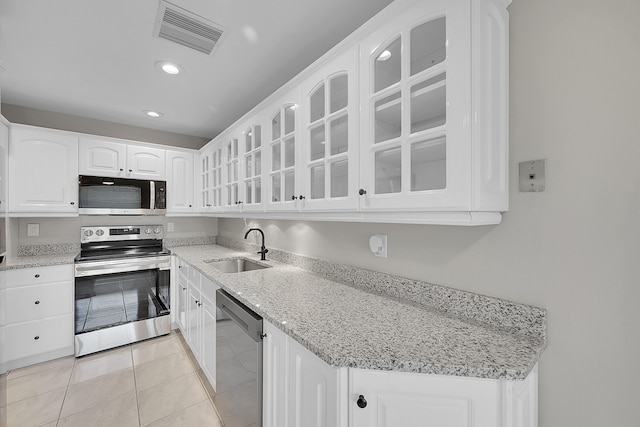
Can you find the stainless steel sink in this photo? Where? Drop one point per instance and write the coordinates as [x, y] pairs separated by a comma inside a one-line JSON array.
[[235, 265]]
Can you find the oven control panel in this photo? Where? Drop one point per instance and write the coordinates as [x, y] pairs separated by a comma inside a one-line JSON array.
[[119, 233]]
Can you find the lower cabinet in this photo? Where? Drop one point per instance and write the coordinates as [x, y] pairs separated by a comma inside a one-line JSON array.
[[39, 315], [301, 390], [196, 316]]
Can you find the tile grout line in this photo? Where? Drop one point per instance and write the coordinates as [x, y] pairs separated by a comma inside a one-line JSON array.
[[135, 383]]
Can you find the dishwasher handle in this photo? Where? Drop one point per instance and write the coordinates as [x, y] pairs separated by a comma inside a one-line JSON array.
[[243, 316]]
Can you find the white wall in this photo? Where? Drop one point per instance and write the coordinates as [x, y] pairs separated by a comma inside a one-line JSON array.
[[54, 120], [575, 249], [67, 230]]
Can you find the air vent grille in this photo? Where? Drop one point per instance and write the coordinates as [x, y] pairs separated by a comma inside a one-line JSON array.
[[187, 29]]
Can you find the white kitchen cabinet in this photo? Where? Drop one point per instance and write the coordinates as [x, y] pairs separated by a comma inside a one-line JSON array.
[[181, 295], [434, 109], [284, 190], [300, 389], [329, 145], [180, 182], [199, 325], [275, 376], [252, 167], [39, 316], [101, 157], [43, 172], [385, 398], [231, 170], [4, 150], [210, 184], [146, 163]]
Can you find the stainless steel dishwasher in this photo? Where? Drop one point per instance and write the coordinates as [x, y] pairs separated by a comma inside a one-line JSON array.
[[238, 397]]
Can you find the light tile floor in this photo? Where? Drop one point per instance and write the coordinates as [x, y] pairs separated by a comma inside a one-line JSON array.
[[152, 383]]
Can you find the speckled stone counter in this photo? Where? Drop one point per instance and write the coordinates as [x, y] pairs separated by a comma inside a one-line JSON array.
[[38, 261], [348, 326]]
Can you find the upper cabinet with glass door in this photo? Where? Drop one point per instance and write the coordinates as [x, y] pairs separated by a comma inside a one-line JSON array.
[[284, 190], [210, 185], [434, 111], [252, 166], [329, 142]]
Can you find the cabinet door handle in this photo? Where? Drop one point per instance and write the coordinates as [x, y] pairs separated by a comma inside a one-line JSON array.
[[362, 192], [37, 302], [362, 402], [37, 276], [37, 337]]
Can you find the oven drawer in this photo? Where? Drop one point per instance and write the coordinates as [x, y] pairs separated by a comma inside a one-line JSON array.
[[39, 301], [40, 336], [37, 275]]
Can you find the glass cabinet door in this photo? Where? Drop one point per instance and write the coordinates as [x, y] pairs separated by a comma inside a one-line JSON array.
[[413, 121], [231, 167], [216, 178], [282, 148], [330, 144], [252, 162], [205, 179]]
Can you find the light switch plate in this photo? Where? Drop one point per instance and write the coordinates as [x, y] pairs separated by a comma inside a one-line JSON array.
[[532, 176], [33, 230]]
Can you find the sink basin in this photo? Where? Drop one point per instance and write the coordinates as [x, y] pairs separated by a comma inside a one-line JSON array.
[[235, 265]]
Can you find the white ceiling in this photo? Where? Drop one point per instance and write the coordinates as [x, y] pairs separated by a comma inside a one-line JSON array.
[[96, 58]]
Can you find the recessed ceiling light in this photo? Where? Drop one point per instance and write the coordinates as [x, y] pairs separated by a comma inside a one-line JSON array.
[[154, 114], [169, 67], [384, 55]]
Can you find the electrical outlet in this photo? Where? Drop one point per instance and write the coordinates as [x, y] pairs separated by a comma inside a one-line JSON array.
[[33, 230], [378, 245], [532, 176]]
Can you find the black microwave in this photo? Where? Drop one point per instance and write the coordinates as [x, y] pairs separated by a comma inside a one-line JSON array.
[[100, 195]]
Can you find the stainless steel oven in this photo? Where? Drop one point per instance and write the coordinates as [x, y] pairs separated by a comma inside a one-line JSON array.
[[122, 287]]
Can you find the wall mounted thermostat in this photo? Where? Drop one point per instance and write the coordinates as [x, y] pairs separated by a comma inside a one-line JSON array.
[[532, 176]]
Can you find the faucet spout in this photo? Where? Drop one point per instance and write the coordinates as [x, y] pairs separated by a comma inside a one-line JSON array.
[[263, 250]]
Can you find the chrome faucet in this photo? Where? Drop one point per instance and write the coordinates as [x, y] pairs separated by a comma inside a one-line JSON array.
[[263, 250]]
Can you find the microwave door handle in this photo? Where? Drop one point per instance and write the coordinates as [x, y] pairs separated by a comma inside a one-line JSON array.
[[152, 194]]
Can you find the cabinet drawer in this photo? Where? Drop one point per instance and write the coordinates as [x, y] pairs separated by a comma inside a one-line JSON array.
[[38, 275], [39, 301], [31, 338]]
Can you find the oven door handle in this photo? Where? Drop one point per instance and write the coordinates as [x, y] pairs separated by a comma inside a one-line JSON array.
[[98, 268]]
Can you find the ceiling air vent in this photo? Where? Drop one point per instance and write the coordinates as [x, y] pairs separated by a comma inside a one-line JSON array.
[[188, 29]]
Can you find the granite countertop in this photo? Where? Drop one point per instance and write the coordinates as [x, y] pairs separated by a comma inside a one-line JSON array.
[[350, 327], [38, 261]]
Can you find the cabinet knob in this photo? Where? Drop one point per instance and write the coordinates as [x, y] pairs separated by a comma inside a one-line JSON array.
[[37, 276], [189, 205], [293, 197], [130, 170], [301, 197], [37, 337], [73, 203], [362, 402], [37, 302], [362, 192], [121, 169], [199, 304], [184, 289]]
